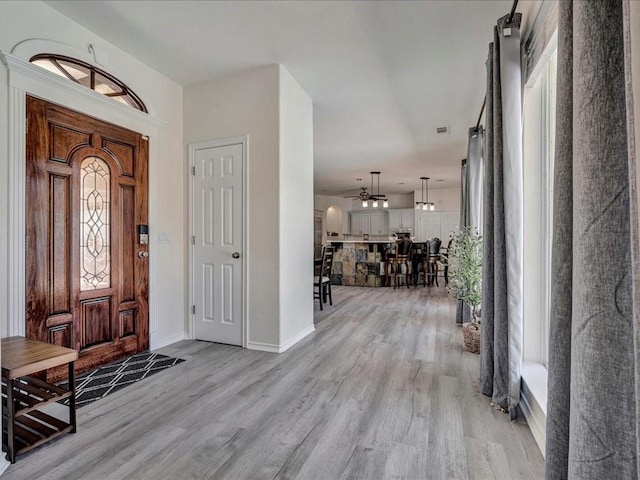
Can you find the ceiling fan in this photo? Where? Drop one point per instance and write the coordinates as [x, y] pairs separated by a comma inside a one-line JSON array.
[[365, 196]]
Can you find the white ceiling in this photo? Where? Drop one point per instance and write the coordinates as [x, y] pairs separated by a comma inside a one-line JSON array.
[[382, 74]]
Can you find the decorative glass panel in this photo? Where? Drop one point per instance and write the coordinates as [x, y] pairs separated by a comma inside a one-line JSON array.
[[89, 76], [79, 73], [107, 87], [95, 258]]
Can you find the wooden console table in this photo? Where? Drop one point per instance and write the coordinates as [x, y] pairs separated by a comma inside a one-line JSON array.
[[26, 427]]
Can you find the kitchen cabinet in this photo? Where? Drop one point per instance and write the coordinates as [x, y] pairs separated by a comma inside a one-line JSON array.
[[402, 218], [360, 223], [436, 224], [379, 223], [373, 223], [428, 226]]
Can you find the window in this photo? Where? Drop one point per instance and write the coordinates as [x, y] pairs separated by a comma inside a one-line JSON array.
[[539, 148], [89, 76], [549, 129]]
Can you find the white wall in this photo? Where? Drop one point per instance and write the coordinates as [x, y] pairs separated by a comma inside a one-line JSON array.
[[323, 202], [404, 200], [296, 210], [346, 205], [269, 106], [445, 199], [248, 104], [21, 21]]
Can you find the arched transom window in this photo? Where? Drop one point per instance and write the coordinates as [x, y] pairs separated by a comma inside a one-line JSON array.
[[90, 77]]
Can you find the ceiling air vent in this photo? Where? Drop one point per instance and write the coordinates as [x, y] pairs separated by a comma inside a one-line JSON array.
[[441, 130]]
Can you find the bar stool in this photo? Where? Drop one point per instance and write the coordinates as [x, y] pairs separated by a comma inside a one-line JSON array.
[[401, 256], [433, 257], [419, 252], [387, 258]]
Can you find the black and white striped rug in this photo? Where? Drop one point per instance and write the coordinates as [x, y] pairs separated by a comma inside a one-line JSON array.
[[110, 378]]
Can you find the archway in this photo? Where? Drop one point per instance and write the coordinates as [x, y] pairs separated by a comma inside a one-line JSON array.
[[334, 221]]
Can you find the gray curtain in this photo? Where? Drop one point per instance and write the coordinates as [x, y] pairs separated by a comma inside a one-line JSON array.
[[471, 202], [592, 426], [501, 340], [475, 175], [542, 29], [463, 312], [464, 197]]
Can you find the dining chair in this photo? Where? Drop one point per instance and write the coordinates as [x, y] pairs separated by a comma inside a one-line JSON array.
[[444, 260], [322, 282]]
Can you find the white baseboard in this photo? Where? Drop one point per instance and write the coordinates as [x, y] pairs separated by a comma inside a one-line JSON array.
[[537, 428], [155, 342], [533, 398], [263, 347], [296, 338], [273, 348], [4, 464]]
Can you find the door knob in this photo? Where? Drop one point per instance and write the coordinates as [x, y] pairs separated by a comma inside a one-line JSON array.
[[235, 254], [143, 254]]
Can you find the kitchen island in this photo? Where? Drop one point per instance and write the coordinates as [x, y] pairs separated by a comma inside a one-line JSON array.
[[359, 262]]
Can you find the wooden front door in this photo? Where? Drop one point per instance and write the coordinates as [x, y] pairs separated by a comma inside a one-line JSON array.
[[86, 272]]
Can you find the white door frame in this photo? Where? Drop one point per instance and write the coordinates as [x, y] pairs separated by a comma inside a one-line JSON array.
[[25, 79], [222, 142]]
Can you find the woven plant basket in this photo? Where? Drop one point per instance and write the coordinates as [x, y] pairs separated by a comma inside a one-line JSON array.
[[471, 336]]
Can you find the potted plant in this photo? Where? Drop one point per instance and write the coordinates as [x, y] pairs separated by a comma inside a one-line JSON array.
[[466, 280]]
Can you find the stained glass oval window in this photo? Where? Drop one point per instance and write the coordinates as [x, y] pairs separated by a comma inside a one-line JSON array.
[[95, 256], [89, 76]]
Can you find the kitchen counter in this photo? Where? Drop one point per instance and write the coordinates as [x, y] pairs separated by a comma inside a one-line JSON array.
[[359, 262], [361, 241]]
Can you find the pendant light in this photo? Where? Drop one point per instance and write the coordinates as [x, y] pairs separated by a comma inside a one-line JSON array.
[[375, 199], [425, 205], [375, 196]]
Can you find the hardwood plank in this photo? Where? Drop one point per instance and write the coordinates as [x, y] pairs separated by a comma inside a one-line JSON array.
[[382, 389], [489, 460], [447, 456]]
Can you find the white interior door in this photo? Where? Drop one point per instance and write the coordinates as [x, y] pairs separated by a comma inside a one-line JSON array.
[[217, 246]]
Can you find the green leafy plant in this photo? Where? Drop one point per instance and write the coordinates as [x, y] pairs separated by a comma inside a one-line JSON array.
[[466, 268]]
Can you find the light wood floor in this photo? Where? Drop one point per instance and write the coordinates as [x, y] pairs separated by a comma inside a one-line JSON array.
[[382, 389]]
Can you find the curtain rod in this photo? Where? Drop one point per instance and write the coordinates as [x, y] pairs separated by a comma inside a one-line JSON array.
[[512, 14], [513, 11], [484, 102]]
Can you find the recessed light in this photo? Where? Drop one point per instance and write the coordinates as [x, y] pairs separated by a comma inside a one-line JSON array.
[[440, 180], [358, 179], [401, 183]]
